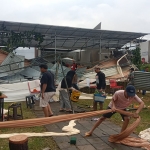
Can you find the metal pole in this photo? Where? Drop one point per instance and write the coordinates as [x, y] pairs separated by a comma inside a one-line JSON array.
[[100, 50], [80, 55], [56, 73], [66, 85], [55, 47]]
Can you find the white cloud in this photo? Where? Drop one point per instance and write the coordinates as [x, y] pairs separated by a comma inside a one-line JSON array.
[[124, 15]]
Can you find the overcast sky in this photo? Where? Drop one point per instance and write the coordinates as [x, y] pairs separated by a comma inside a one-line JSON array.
[[121, 15]]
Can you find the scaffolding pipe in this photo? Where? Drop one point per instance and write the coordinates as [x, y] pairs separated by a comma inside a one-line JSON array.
[[100, 50], [55, 47]]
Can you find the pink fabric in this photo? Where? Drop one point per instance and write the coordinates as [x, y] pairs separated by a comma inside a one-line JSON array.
[[121, 102]]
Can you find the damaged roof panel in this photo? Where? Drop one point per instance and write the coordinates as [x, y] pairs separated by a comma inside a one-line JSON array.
[[71, 37], [30, 73]]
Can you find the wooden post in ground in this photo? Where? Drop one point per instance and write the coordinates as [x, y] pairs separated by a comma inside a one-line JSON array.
[[18, 142]]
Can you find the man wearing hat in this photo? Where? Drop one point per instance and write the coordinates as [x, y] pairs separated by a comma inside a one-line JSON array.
[[100, 85], [121, 100]]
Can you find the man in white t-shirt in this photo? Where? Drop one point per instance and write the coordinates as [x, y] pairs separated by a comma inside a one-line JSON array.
[[121, 100]]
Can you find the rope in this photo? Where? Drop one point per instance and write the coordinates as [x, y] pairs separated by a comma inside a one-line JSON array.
[[119, 138]]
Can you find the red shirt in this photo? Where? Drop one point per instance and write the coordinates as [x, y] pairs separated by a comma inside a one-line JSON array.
[[74, 66]]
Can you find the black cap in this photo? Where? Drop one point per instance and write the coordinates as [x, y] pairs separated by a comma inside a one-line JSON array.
[[130, 89]]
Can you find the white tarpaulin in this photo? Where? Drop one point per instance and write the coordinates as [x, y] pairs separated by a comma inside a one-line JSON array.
[[18, 91], [145, 134]]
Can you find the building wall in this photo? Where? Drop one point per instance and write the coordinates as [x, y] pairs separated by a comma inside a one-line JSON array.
[[149, 52], [145, 51], [93, 56], [88, 57], [37, 52]]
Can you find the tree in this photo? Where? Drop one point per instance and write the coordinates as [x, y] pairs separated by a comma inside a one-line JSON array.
[[12, 40], [136, 58]]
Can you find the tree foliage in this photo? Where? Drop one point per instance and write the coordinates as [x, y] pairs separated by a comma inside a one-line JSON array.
[[136, 57], [13, 40]]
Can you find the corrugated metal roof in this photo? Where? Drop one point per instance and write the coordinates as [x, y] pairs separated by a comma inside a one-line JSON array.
[[12, 63], [142, 80], [36, 68], [70, 37], [11, 58], [13, 77], [2, 73], [50, 65], [30, 73], [110, 71], [39, 60]]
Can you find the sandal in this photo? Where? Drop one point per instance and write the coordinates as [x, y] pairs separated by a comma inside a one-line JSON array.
[[69, 111], [61, 110], [87, 134]]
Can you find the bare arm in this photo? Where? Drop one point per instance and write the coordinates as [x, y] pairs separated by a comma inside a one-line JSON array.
[[43, 89], [113, 106], [140, 107], [73, 89], [136, 114]]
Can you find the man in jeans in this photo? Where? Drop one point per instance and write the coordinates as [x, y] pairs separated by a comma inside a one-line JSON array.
[[47, 90]]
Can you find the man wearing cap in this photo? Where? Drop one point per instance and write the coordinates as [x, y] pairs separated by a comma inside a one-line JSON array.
[[131, 77], [101, 84], [121, 100]]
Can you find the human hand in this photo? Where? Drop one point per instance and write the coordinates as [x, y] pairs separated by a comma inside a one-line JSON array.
[[135, 115], [42, 95], [101, 90], [76, 90], [113, 109]]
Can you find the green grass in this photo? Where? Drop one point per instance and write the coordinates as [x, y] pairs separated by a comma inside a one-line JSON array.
[[34, 143], [38, 143], [145, 121]]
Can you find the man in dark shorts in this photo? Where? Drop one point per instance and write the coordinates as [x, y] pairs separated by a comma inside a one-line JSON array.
[[120, 100], [100, 86]]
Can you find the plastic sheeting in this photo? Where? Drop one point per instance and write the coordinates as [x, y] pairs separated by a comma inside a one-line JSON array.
[[145, 134], [18, 91], [85, 82], [67, 131]]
